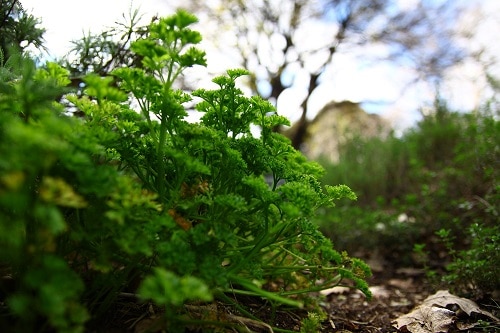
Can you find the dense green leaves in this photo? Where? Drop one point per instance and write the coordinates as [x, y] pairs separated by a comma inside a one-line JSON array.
[[168, 289], [18, 30], [53, 289], [438, 179], [142, 201]]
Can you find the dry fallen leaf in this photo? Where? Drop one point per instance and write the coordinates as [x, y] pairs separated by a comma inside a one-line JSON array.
[[426, 319], [432, 316], [444, 298]]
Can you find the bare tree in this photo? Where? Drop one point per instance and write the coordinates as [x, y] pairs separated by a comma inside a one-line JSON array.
[[274, 37], [282, 42]]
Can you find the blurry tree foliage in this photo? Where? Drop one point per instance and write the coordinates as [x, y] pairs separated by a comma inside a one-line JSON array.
[[291, 36], [282, 42], [18, 29], [110, 49]]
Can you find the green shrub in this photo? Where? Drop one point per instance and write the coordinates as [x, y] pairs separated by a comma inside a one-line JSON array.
[[363, 231], [374, 168], [475, 269], [442, 175], [144, 202]]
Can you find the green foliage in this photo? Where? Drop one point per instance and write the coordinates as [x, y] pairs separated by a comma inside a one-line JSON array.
[[312, 324], [53, 289], [374, 168], [142, 201], [35, 142], [439, 179], [475, 270], [102, 52], [168, 289], [18, 30]]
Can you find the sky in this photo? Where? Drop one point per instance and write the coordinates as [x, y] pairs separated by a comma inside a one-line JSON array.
[[66, 20]]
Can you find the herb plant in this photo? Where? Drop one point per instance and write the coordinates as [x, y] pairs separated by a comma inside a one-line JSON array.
[[138, 201]]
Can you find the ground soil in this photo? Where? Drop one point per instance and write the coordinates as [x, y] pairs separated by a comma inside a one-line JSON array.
[[396, 291]]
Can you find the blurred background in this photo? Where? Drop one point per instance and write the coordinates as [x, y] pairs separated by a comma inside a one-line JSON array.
[[391, 56]]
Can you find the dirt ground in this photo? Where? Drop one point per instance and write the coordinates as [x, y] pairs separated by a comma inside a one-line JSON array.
[[396, 291]]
